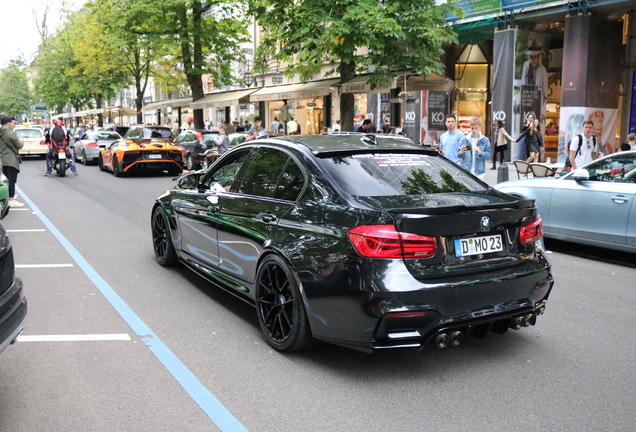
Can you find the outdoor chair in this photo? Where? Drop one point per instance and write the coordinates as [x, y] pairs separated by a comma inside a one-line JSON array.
[[522, 167], [540, 170]]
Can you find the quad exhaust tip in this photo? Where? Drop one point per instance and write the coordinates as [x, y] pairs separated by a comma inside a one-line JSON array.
[[442, 340], [523, 321]]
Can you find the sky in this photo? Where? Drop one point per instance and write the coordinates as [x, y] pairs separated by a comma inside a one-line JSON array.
[[19, 27]]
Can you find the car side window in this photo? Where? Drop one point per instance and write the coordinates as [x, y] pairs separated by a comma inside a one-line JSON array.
[[291, 182], [226, 174], [263, 172], [615, 169]]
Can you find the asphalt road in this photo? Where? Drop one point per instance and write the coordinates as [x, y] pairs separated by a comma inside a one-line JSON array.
[[573, 371]]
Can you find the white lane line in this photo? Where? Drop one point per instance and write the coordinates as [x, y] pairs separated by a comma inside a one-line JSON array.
[[42, 265], [75, 338], [20, 209], [26, 230]]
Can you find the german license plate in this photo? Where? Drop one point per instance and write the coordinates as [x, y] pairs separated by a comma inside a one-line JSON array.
[[478, 245], [61, 155], [154, 156]]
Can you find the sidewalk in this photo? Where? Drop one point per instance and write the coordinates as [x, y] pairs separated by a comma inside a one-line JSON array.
[[491, 175]]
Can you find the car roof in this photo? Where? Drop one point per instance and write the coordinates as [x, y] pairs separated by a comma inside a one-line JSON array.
[[323, 144]]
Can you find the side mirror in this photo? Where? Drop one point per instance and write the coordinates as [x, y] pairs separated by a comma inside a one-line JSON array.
[[189, 181], [581, 175]]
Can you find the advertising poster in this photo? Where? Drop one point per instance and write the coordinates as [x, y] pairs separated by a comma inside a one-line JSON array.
[[632, 117], [438, 107], [571, 124], [412, 116], [503, 76]]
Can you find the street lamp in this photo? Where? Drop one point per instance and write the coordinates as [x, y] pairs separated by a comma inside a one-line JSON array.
[[248, 76]]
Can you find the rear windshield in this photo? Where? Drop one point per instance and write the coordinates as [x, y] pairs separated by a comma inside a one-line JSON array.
[[209, 137], [156, 133], [387, 174], [28, 133], [105, 135]]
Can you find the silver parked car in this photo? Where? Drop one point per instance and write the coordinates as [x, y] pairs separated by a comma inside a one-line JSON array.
[[592, 205], [86, 150]]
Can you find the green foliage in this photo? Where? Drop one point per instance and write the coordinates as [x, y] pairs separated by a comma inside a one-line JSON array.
[[372, 35], [15, 96], [421, 183]]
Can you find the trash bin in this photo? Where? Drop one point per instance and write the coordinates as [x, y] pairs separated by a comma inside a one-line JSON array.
[[502, 173]]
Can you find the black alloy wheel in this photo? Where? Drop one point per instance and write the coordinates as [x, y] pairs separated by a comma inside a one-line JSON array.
[[100, 163], [116, 170], [205, 163], [162, 239], [84, 159], [279, 307]]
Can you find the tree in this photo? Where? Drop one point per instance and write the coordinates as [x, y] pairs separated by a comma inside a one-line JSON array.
[[199, 29], [352, 37], [15, 96]]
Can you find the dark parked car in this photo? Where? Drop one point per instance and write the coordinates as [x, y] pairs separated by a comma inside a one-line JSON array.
[[13, 304], [212, 155], [196, 142], [362, 242]]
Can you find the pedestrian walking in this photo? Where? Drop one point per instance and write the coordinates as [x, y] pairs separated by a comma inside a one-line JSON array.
[[502, 144], [10, 146]]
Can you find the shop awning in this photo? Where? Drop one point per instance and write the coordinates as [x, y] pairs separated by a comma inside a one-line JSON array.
[[223, 99], [359, 85], [153, 106], [174, 103], [432, 82], [308, 90], [116, 111]]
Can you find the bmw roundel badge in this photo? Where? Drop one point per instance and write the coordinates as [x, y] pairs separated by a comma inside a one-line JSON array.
[[485, 223]]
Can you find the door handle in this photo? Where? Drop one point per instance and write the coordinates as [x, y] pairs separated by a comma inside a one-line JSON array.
[[267, 217], [620, 199]]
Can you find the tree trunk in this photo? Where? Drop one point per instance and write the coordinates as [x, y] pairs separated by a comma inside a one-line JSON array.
[[347, 73]]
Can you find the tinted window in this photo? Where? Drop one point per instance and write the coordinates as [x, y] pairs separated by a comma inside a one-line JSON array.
[[263, 172], [209, 137], [225, 175], [152, 132], [291, 182], [385, 174]]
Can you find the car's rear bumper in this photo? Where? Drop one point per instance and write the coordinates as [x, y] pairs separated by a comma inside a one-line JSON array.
[[34, 150], [391, 309], [13, 312]]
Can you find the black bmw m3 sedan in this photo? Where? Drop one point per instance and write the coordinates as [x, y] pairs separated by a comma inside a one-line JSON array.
[[359, 240]]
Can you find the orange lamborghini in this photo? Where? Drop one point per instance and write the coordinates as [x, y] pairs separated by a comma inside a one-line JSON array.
[[141, 156]]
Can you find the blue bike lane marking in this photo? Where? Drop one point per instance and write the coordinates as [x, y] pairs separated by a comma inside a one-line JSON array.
[[214, 409]]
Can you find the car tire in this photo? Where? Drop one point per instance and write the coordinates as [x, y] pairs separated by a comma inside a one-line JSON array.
[[205, 163], [84, 159], [116, 170], [280, 308], [100, 163], [162, 239]]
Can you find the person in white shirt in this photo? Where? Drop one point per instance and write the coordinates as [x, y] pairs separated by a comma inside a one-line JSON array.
[[292, 127], [584, 152], [631, 140], [336, 127]]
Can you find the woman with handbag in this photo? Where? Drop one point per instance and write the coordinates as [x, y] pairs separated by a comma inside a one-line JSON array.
[[10, 146], [502, 144]]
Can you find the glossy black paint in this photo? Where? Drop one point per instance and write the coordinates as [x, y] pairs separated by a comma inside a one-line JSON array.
[[13, 303], [224, 235]]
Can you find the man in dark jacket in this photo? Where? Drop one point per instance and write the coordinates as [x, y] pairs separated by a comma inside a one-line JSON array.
[[10, 146]]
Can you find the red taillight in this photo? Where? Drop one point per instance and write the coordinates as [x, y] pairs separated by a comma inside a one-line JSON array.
[[532, 232], [94, 144], [43, 142], [384, 241]]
